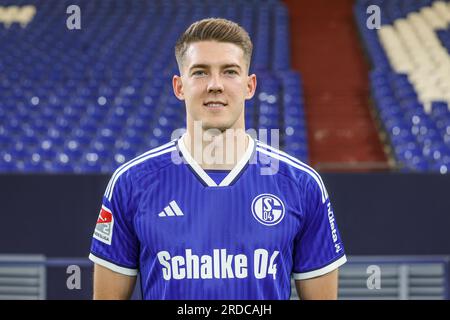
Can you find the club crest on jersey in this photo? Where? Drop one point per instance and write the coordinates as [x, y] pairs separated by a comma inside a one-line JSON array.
[[268, 209], [104, 228]]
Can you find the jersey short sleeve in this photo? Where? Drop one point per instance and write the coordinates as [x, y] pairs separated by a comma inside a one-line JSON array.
[[318, 248], [114, 244]]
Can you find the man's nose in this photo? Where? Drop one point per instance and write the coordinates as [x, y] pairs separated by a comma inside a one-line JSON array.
[[215, 84]]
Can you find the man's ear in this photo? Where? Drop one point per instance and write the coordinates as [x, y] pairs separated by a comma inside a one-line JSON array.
[[251, 86], [177, 85]]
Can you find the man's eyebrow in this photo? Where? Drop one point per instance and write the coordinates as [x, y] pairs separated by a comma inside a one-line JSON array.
[[232, 65], [205, 66], [199, 66]]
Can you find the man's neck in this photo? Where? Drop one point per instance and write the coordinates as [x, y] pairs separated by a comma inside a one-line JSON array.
[[217, 151]]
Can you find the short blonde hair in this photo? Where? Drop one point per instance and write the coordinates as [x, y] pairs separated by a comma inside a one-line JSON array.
[[216, 29]]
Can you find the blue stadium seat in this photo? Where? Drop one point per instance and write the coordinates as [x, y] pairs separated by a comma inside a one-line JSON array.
[[417, 128], [71, 103]]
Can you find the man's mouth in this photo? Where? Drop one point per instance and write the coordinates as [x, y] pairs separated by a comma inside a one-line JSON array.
[[215, 104]]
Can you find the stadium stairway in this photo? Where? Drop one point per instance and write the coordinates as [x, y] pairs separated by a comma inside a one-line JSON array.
[[326, 49]]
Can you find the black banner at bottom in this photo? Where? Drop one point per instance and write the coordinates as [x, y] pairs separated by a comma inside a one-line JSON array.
[[223, 309]]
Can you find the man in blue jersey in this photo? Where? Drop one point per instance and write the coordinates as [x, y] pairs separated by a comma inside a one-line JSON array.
[[196, 226]]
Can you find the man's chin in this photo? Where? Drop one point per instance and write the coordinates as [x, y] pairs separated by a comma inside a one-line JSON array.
[[215, 127]]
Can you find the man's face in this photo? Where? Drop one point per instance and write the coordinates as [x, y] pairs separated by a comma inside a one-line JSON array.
[[214, 84]]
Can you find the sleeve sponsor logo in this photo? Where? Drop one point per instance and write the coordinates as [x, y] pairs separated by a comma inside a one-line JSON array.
[[337, 245], [104, 227]]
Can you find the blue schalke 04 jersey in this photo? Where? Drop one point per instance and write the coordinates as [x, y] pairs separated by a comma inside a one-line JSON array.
[[189, 237]]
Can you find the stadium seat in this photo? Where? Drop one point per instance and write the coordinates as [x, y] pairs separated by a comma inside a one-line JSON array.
[[410, 79], [75, 102]]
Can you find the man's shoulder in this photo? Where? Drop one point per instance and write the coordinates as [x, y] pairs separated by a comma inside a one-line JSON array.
[[151, 160], [288, 165], [144, 164]]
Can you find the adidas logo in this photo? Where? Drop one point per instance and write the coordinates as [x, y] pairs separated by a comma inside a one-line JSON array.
[[171, 210]]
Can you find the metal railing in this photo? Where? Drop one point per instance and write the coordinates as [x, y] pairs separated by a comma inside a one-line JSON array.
[[393, 278]]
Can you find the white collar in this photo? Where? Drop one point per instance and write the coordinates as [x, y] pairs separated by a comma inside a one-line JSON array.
[[238, 168]]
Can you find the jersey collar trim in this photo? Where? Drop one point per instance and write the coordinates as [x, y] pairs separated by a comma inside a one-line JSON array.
[[204, 177]]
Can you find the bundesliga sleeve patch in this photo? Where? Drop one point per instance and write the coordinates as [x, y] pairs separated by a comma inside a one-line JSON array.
[[104, 227]]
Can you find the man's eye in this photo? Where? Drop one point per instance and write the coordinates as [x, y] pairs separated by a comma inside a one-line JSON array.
[[198, 73], [231, 71]]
